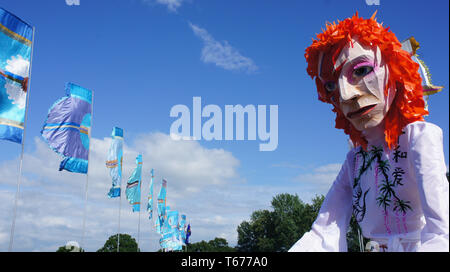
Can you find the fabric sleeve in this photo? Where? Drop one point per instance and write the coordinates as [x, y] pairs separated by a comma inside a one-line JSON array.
[[328, 232], [427, 159]]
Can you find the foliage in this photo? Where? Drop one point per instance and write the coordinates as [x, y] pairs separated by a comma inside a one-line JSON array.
[[216, 245], [353, 236], [126, 244], [69, 249], [278, 230]]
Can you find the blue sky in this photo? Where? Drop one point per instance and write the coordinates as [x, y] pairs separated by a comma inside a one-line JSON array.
[[141, 57]]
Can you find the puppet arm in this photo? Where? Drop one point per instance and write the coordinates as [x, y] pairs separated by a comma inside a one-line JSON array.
[[427, 159], [328, 232]]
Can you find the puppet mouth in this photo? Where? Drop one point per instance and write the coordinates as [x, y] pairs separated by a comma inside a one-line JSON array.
[[362, 111]]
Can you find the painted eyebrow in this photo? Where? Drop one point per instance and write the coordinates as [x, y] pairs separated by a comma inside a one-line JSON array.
[[363, 64], [360, 61]]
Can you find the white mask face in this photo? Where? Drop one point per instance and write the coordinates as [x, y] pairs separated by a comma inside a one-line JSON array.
[[362, 81]]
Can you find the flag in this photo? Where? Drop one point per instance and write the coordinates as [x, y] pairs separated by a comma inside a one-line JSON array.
[[114, 161], [188, 234], [172, 220], [161, 206], [67, 128], [150, 197], [166, 228], [182, 228], [170, 234], [133, 190], [15, 57]]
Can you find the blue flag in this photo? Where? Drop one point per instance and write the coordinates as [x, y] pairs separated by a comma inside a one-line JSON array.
[[114, 161], [67, 128], [15, 57], [171, 239], [161, 207], [188, 234], [166, 228], [182, 228], [150, 197], [133, 190]]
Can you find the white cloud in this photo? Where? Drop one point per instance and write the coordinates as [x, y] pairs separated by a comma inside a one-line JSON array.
[[18, 66], [329, 168], [51, 203], [320, 178], [287, 165], [172, 5], [222, 54]]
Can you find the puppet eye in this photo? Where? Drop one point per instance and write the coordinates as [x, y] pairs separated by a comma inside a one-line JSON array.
[[362, 71], [330, 86]]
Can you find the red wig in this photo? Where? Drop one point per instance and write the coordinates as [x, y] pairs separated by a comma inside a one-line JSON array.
[[408, 105]]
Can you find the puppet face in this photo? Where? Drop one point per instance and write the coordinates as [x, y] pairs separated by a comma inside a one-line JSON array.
[[360, 78]]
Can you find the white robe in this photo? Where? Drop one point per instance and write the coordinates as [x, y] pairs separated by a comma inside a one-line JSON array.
[[409, 212]]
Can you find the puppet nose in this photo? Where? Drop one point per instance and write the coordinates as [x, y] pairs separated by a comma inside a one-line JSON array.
[[349, 92]]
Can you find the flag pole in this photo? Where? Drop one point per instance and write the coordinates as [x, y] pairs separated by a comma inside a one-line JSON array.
[[151, 210], [140, 201], [87, 173], [120, 208], [19, 179]]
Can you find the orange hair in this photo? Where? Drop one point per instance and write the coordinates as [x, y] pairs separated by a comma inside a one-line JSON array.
[[408, 105]]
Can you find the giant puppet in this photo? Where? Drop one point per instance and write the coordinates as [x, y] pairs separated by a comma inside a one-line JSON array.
[[394, 180]]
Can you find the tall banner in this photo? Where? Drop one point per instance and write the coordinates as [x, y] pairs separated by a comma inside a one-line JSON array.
[[161, 207], [133, 190], [171, 239], [150, 197], [188, 234], [115, 160], [182, 229], [67, 128], [16, 38]]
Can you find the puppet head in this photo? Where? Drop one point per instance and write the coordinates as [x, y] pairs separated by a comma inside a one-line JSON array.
[[361, 69]]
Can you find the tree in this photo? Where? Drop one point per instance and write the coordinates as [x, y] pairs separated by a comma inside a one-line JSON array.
[[127, 244], [353, 236], [69, 249], [216, 245], [278, 230]]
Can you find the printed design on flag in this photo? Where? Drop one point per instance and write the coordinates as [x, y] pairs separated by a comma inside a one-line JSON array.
[[171, 236], [133, 184], [111, 164], [16, 71], [13, 35], [133, 190], [15, 58]]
